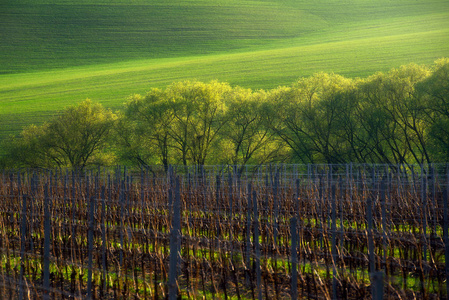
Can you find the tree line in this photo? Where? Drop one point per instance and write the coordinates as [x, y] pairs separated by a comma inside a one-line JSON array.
[[398, 117]]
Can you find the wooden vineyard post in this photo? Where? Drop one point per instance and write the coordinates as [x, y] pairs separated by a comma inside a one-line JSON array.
[[376, 277], [64, 204], [385, 229], [22, 245], [297, 204], [47, 238], [424, 211], [370, 237], [32, 196], [433, 204], [90, 239], [257, 246], [231, 216], [175, 241], [248, 237], [334, 242], [320, 208], [276, 209], [217, 200], [445, 231], [142, 193], [342, 198], [103, 238], [378, 285], [73, 239], [122, 216], [294, 234]]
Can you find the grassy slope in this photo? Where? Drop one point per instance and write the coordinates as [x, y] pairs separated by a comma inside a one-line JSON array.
[[41, 34], [53, 53]]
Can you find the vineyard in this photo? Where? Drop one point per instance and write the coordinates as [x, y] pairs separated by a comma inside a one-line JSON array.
[[267, 232]]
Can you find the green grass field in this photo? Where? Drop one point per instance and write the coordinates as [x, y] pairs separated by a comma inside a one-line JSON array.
[[57, 53]]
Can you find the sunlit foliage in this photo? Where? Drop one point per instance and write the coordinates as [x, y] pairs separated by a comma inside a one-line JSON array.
[[398, 117]]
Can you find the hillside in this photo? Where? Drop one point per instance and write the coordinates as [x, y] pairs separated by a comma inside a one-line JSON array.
[[54, 53], [49, 34]]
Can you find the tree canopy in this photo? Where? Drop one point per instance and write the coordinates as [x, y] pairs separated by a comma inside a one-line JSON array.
[[76, 138], [398, 117]]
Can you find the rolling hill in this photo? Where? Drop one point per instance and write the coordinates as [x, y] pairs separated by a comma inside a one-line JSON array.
[[60, 52]]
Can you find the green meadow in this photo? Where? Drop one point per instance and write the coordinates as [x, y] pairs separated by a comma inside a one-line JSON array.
[[57, 53]]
